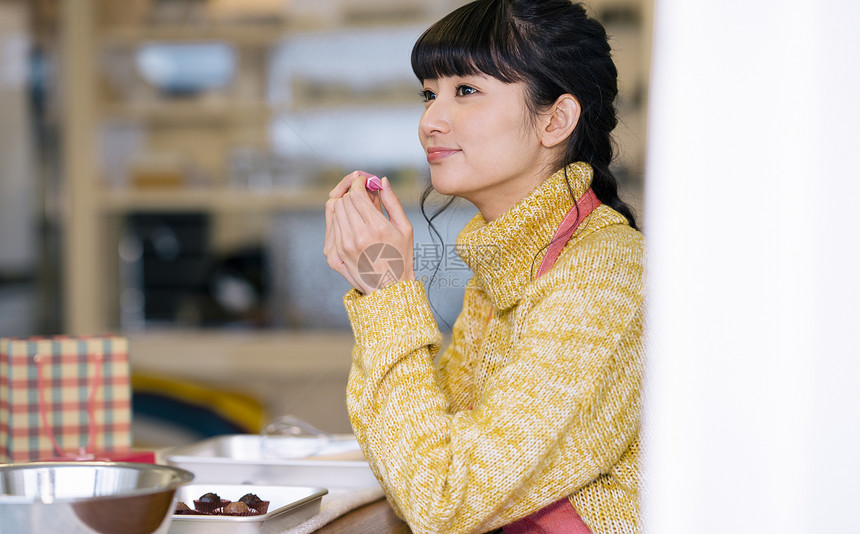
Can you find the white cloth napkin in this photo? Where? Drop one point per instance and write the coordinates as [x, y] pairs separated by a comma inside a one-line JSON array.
[[335, 503]]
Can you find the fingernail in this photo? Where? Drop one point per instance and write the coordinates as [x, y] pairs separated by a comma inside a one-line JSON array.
[[385, 183]]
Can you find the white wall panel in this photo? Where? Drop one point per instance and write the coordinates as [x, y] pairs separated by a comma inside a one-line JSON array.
[[751, 196]]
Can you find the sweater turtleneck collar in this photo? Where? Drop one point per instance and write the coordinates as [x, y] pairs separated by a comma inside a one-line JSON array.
[[504, 254]]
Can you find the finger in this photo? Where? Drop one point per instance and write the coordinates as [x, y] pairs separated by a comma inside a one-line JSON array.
[[359, 213], [328, 242], [344, 268], [330, 249], [359, 184], [395, 210], [346, 182], [335, 260], [367, 201], [346, 228], [376, 199], [373, 184], [362, 201], [331, 221]]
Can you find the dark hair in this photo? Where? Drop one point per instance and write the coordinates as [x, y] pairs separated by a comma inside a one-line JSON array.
[[551, 46]]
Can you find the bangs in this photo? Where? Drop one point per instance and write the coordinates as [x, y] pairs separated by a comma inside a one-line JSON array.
[[478, 38]]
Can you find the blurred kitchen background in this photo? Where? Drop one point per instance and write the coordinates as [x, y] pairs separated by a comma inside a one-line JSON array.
[[163, 170]]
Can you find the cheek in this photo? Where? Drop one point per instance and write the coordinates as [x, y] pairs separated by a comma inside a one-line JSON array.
[[481, 131], [503, 134]]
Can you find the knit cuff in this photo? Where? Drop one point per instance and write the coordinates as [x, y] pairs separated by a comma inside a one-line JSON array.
[[395, 317]]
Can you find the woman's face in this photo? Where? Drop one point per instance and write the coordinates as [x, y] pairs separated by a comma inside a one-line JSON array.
[[481, 142]]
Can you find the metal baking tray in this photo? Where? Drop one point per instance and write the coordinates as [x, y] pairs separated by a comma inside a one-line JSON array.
[[288, 506], [242, 459]]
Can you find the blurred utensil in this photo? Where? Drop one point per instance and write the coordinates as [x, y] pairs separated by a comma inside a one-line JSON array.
[[306, 439]]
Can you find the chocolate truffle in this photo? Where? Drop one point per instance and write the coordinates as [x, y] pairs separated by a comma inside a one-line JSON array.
[[181, 508], [251, 500], [237, 507], [210, 497]]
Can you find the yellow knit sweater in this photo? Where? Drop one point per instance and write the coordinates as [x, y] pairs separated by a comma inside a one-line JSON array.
[[536, 398]]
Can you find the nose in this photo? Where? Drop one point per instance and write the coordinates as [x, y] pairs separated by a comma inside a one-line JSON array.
[[435, 119]]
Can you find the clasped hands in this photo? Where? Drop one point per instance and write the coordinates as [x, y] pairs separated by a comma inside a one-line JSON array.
[[367, 248]]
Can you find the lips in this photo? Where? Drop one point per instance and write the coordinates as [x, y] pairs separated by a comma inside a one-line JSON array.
[[438, 154]]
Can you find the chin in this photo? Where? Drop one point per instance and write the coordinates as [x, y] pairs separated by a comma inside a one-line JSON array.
[[445, 185]]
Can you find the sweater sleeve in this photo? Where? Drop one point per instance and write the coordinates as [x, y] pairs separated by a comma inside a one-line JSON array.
[[559, 413], [390, 325]]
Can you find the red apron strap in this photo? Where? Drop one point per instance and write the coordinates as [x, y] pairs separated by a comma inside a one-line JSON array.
[[582, 209], [559, 517]]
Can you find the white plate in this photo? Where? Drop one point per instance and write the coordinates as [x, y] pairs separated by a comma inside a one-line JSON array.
[[288, 506]]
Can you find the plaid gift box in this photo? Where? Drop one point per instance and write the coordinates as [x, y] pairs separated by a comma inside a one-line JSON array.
[[64, 398]]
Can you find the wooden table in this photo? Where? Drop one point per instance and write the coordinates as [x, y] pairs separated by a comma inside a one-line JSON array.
[[374, 518]]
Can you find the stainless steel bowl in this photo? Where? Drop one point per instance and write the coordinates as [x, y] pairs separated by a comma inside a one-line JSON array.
[[88, 497]]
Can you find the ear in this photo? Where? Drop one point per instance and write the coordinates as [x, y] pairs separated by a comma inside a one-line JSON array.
[[560, 121]]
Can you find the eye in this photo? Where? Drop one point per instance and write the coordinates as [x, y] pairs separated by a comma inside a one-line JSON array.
[[465, 90], [428, 95]]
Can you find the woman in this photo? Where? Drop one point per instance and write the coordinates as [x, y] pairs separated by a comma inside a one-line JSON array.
[[530, 420]]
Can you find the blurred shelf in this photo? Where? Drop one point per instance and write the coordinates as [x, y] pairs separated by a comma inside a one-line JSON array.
[[109, 106], [239, 34], [229, 200], [251, 354], [216, 200], [185, 112]]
